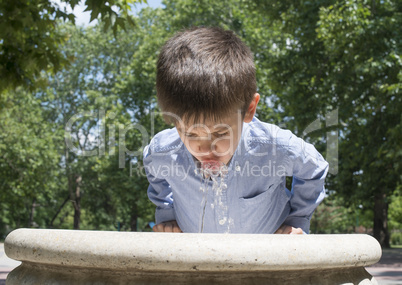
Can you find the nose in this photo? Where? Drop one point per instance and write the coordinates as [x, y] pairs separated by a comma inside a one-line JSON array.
[[205, 147]]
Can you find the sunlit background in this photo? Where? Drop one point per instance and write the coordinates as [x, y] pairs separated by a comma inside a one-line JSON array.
[[329, 71]]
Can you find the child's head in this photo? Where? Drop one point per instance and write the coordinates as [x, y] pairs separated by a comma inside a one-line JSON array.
[[205, 73], [206, 76]]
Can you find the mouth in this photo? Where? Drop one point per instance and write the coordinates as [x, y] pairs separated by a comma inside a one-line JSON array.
[[212, 160], [208, 158], [213, 168], [212, 165]]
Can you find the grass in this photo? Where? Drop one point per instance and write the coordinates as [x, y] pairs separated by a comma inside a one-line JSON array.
[[396, 246]]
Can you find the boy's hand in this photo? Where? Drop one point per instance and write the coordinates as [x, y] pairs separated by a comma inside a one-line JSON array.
[[167, 227], [286, 230]]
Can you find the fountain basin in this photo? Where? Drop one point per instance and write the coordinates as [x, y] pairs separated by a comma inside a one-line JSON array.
[[94, 257]]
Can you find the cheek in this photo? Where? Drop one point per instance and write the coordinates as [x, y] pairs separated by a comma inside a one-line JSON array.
[[225, 146], [191, 146]]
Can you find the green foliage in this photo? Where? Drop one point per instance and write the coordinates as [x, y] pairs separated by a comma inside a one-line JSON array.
[[311, 57], [100, 65], [30, 40], [395, 212], [344, 56], [29, 161], [332, 217], [90, 94], [363, 43], [396, 238]]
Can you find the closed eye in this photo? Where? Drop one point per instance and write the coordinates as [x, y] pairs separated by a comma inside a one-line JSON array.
[[190, 135], [222, 134]]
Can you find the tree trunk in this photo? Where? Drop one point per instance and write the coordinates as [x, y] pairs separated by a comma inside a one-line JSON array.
[[133, 218], [31, 216], [58, 211], [381, 220], [74, 191], [77, 203]]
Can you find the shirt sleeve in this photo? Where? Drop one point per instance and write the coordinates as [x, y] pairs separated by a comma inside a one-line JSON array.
[[159, 190], [309, 169]]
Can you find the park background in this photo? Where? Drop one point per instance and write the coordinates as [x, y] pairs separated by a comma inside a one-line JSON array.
[[95, 84]]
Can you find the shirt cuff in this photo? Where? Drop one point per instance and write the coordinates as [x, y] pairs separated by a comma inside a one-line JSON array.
[[164, 215], [298, 222]]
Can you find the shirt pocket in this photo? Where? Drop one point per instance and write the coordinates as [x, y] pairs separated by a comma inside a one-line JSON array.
[[263, 209]]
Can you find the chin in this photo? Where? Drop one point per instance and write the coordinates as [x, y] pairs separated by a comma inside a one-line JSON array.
[[224, 161]]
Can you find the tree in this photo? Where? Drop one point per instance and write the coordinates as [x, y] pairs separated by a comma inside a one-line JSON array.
[[94, 188], [28, 164], [30, 40], [93, 102], [345, 56], [395, 212], [312, 58]]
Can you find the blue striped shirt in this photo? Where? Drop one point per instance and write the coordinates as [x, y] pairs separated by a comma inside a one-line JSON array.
[[254, 198]]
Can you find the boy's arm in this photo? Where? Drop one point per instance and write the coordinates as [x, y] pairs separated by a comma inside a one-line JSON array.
[[159, 191], [309, 170], [161, 195], [164, 214]]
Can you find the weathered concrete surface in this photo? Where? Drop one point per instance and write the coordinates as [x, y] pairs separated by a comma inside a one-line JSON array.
[[89, 257], [6, 265]]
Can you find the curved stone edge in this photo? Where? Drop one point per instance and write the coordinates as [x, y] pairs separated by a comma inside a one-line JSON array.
[[184, 252]]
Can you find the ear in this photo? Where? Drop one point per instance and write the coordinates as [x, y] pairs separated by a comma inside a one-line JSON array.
[[252, 108]]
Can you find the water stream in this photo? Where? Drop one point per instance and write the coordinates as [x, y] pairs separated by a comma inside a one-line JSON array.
[[213, 175]]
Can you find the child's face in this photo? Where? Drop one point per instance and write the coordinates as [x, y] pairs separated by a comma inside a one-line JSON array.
[[212, 140], [216, 140]]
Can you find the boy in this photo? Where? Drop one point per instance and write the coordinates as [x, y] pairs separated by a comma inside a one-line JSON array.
[[206, 87]]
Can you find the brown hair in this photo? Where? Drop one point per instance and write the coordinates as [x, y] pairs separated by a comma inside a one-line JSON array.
[[205, 73]]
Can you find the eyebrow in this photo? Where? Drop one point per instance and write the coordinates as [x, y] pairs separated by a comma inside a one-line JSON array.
[[220, 129]]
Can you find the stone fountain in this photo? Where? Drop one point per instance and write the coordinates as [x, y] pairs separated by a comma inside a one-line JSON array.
[[94, 257]]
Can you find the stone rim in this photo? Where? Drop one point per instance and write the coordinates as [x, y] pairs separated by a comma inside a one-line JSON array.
[[191, 252]]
